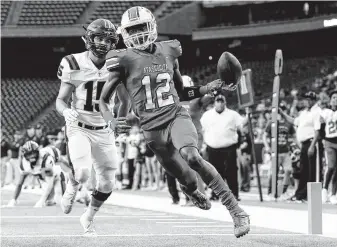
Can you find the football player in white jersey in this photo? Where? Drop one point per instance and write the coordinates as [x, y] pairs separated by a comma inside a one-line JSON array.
[[90, 140], [328, 117], [41, 163]]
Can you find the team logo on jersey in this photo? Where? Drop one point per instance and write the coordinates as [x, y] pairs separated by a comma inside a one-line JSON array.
[[190, 93]]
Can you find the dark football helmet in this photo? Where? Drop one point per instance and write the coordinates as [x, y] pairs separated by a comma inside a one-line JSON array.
[[101, 28], [30, 151]]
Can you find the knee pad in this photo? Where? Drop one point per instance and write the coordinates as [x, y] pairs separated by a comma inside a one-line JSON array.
[[100, 196]]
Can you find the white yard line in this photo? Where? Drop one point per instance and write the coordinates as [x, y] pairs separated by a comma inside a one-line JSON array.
[[142, 235]]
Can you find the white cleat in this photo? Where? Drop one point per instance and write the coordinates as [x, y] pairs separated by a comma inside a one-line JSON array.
[[68, 197], [88, 226], [325, 196], [333, 199]]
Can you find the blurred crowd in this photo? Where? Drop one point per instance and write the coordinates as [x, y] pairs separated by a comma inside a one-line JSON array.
[[138, 168]]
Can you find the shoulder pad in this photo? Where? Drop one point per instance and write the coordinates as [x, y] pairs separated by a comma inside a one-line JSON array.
[[113, 59], [174, 47], [67, 65]]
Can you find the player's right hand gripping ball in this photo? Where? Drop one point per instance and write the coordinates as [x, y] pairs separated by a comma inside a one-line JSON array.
[[229, 71]]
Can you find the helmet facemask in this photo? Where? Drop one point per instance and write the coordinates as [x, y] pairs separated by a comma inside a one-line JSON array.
[[140, 35], [100, 50], [32, 157]]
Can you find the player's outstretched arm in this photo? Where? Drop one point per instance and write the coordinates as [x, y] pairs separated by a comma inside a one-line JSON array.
[[17, 190], [189, 93], [117, 125], [62, 99]]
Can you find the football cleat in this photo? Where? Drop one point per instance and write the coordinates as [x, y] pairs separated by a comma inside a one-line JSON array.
[[68, 197], [333, 200], [241, 224], [200, 200], [88, 226]]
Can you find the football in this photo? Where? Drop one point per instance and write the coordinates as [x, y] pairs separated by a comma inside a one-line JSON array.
[[229, 69]]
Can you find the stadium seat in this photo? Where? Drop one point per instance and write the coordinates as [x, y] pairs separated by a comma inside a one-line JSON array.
[[5, 6], [295, 72], [173, 6], [114, 10], [24, 99], [51, 13]]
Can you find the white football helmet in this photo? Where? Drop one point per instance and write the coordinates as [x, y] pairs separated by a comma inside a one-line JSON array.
[[187, 81], [138, 28]]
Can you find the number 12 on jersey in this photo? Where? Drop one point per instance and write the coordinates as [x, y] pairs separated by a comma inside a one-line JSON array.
[[162, 91]]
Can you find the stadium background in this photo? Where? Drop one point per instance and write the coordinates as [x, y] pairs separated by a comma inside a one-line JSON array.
[[37, 34]]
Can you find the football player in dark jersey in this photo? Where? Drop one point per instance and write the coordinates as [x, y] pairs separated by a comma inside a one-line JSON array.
[[150, 73]]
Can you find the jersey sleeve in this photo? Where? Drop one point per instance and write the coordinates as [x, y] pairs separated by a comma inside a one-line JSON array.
[[114, 60], [67, 66], [175, 47], [48, 164]]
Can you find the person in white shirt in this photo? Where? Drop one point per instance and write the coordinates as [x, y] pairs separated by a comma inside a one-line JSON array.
[[328, 122], [305, 134], [221, 126]]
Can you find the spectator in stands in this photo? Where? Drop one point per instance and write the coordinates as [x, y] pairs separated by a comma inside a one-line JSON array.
[[305, 133], [30, 133], [221, 126], [40, 137], [285, 133], [13, 155]]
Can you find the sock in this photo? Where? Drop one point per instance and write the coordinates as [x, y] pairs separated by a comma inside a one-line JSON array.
[[285, 187], [221, 189], [93, 208]]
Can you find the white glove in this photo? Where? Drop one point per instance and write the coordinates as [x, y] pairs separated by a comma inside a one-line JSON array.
[[11, 203], [70, 115], [39, 204]]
